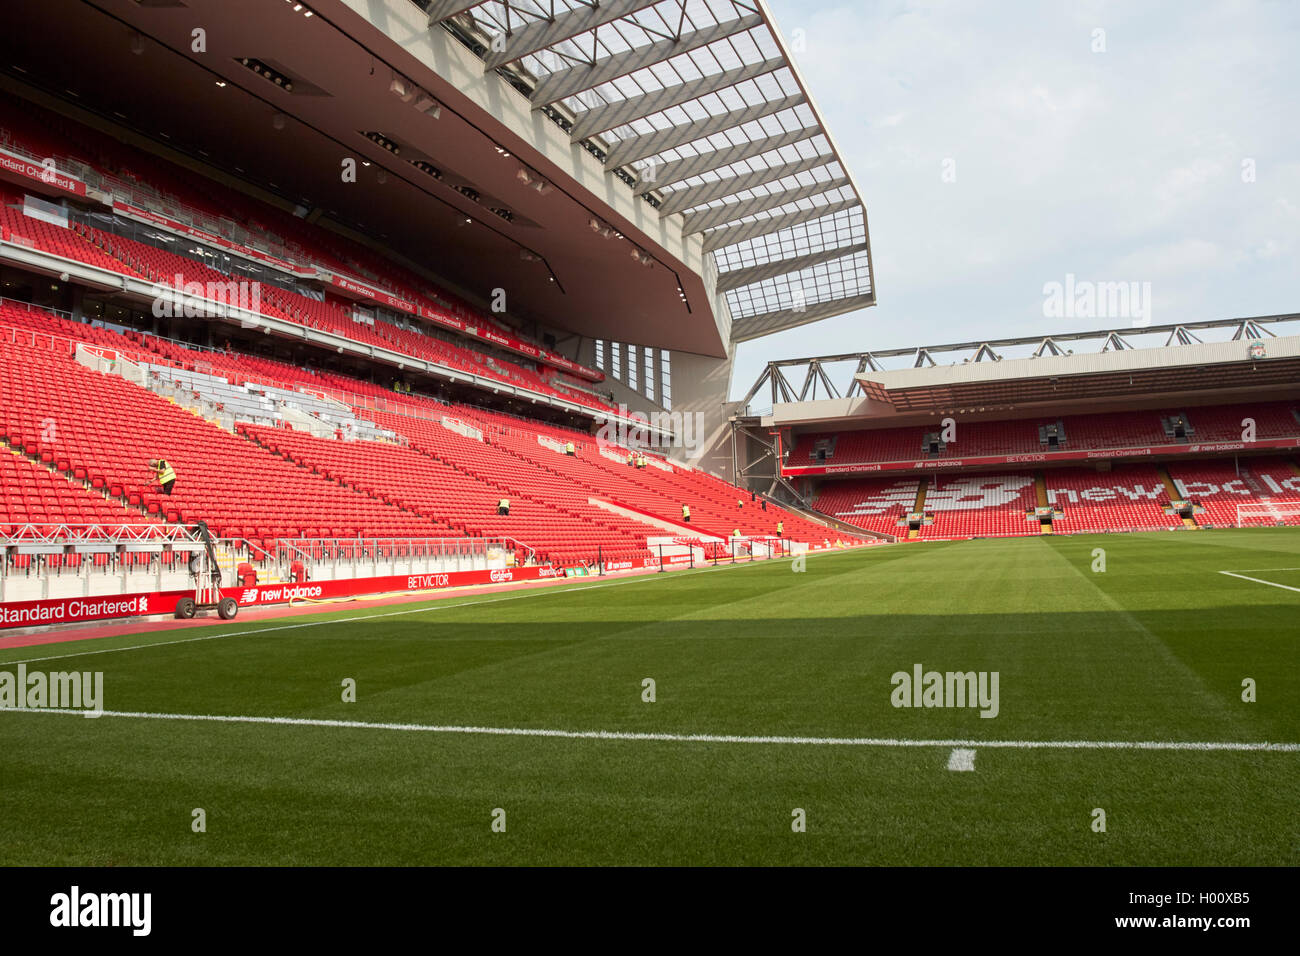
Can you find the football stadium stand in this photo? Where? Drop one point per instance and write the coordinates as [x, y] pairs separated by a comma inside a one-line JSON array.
[[86, 409], [1136, 429], [362, 405], [262, 235]]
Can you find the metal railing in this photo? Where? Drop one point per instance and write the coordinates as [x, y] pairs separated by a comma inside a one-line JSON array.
[[332, 558], [40, 561]]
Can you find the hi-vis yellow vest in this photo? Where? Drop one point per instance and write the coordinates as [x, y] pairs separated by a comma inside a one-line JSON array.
[[166, 474], [503, 503]]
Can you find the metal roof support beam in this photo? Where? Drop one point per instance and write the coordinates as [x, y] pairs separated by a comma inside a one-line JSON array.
[[680, 199], [809, 381], [673, 171], [1249, 329], [1181, 336], [1255, 327], [779, 381], [613, 115], [729, 235], [749, 396], [736, 278], [765, 323], [640, 147], [731, 212], [831, 390], [565, 26], [565, 83]]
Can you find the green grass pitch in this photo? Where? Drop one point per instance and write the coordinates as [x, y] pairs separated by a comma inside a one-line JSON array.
[[1155, 648]]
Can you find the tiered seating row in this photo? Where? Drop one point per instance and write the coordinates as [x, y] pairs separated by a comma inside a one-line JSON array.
[[106, 430], [1219, 486], [229, 213], [1082, 432], [1128, 498], [422, 483]]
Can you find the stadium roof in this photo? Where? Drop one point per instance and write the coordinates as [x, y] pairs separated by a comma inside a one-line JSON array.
[[697, 104], [1122, 365]]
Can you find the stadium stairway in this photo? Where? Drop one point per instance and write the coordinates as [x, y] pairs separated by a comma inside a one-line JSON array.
[[1174, 494], [1040, 486], [919, 507]]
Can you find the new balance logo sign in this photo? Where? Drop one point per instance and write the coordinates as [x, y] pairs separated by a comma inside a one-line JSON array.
[[249, 596], [133, 910]]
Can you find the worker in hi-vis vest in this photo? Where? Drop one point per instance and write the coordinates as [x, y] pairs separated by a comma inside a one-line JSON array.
[[686, 513], [640, 461], [740, 502], [503, 506], [735, 533], [631, 459], [166, 475], [780, 528], [569, 449]]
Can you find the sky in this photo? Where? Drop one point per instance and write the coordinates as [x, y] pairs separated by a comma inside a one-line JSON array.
[[1001, 146]]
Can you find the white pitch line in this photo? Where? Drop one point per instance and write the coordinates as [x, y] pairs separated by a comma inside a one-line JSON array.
[[1259, 570], [438, 605], [962, 758], [1208, 745], [1272, 584]]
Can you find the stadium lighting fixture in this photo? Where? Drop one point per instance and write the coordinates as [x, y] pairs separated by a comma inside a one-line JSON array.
[[266, 73], [533, 180]]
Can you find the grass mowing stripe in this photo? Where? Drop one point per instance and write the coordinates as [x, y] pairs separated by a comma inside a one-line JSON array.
[[1161, 648], [682, 738]]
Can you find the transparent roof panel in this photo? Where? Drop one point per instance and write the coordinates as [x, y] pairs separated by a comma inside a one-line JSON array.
[[697, 101]]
